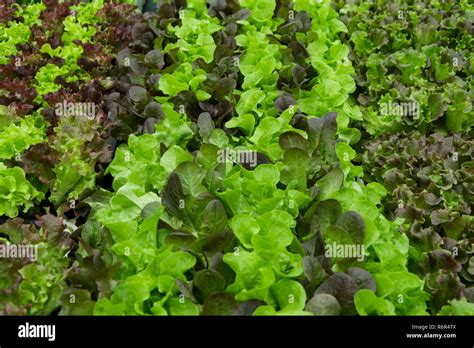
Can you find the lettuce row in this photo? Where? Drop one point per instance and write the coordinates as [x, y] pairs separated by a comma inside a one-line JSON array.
[[263, 262], [76, 146], [328, 56], [194, 41], [18, 33], [77, 25], [75, 173], [81, 23], [252, 197], [259, 65], [434, 206], [405, 54]]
